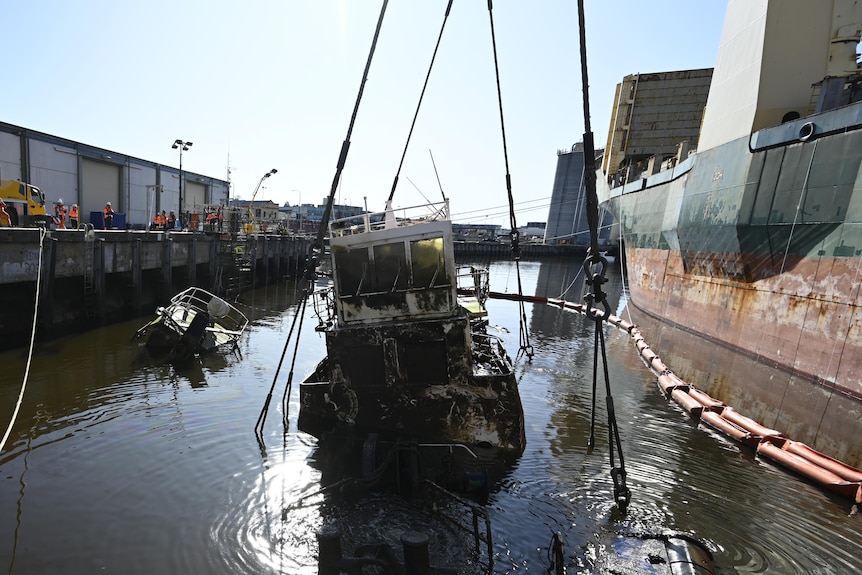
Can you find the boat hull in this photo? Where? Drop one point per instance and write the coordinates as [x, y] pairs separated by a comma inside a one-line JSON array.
[[756, 245], [415, 388]]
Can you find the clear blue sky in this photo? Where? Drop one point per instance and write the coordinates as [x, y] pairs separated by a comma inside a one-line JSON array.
[[272, 83]]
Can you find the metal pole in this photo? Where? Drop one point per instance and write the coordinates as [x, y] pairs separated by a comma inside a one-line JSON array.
[[181, 186]]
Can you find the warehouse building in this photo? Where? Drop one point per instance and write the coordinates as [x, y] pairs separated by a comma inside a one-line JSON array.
[[88, 176]]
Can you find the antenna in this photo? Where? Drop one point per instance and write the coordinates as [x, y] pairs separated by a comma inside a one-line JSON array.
[[436, 174]]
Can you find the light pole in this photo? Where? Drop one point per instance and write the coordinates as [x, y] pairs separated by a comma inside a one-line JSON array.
[[254, 195], [183, 146]]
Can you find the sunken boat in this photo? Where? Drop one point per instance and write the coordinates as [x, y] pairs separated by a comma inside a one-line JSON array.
[[408, 355], [195, 322]]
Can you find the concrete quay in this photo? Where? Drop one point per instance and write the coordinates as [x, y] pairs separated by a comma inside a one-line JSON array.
[[87, 278]]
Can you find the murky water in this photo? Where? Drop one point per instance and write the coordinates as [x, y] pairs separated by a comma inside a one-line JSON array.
[[118, 465]]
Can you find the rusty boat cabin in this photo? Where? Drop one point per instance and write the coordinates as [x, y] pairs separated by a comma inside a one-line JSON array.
[[409, 362]]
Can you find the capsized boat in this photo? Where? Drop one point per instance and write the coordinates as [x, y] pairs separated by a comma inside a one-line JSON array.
[[406, 355], [196, 321]]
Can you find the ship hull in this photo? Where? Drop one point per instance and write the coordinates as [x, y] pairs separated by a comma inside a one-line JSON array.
[[756, 245]]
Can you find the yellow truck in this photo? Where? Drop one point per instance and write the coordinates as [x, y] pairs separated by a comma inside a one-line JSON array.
[[24, 203]]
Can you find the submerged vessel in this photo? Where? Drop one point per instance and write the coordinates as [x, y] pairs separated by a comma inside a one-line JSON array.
[[754, 240], [196, 321], [407, 357]]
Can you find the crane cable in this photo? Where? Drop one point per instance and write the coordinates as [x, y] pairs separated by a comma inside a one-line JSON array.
[[525, 345], [594, 269], [42, 232], [261, 419], [419, 104], [317, 248]]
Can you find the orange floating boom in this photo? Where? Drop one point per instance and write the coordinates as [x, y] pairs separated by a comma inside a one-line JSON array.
[[830, 473]]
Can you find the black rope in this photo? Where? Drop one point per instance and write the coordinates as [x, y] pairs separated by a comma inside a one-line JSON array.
[[261, 419], [317, 248], [594, 270], [285, 399], [525, 345], [419, 104]]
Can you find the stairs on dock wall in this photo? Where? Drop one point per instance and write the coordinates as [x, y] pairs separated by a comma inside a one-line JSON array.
[[233, 273], [89, 270]]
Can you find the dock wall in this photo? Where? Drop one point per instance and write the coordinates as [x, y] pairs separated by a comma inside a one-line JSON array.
[[503, 250], [87, 278]]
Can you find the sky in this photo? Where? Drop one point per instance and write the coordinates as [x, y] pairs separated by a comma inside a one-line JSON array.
[[264, 84]]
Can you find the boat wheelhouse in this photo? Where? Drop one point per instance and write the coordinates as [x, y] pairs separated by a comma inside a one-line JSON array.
[[407, 356]]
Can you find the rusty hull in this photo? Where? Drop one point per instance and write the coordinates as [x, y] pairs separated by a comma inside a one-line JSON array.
[[802, 322]]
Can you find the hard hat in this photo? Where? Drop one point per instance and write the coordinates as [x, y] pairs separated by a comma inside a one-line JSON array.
[[60, 201], [108, 204], [74, 205]]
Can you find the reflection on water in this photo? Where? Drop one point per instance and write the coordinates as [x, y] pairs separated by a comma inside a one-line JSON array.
[[118, 464]]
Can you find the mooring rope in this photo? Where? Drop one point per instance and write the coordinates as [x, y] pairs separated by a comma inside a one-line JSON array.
[[42, 232]]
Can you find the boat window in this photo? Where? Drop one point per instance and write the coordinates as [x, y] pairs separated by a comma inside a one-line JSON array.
[[429, 267], [366, 366], [390, 267], [352, 266], [425, 363]]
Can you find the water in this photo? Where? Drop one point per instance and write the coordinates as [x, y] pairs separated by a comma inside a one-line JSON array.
[[119, 465]]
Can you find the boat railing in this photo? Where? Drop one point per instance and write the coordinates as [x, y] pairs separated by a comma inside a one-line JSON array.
[[226, 316], [474, 281], [480, 521], [323, 304], [489, 356], [389, 218]]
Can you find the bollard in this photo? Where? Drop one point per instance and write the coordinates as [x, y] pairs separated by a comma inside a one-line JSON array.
[[416, 558], [329, 551]]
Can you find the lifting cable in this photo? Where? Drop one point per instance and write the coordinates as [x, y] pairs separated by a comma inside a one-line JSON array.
[[42, 232], [261, 419], [316, 249], [595, 266], [285, 398], [525, 345], [419, 104]]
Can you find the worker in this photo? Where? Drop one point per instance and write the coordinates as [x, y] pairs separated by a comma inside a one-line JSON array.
[[172, 220], [220, 217], [73, 216], [60, 214], [211, 220], [109, 215], [5, 218], [160, 221]]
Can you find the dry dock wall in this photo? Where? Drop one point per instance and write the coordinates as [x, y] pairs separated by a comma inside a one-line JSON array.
[[89, 278]]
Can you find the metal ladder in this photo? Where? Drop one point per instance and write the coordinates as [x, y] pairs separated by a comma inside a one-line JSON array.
[[89, 284]]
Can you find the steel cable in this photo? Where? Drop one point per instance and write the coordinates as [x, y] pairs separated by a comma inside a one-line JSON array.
[[42, 233]]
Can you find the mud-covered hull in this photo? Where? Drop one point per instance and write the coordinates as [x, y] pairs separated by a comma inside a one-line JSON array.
[[417, 382]]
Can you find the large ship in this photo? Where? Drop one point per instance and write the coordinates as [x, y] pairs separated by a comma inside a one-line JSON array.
[[754, 239]]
